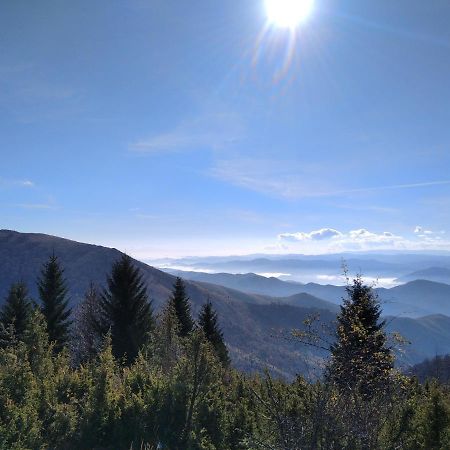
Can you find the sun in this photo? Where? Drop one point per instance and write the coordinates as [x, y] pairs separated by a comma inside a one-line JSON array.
[[288, 13]]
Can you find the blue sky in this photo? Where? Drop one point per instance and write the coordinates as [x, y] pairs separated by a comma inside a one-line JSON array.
[[169, 128]]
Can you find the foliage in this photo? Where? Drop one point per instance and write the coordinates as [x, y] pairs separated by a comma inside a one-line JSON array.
[[360, 358], [16, 310], [437, 368], [54, 302], [180, 303], [208, 322], [125, 310], [87, 338], [177, 394]]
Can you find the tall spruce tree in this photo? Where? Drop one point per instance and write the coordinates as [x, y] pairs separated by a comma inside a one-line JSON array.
[[125, 310], [16, 310], [179, 301], [360, 358], [208, 322], [55, 303]]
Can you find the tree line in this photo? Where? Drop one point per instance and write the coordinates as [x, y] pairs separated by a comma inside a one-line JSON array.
[[113, 374]]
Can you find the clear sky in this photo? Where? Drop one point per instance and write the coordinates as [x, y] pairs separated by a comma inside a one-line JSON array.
[[170, 128]]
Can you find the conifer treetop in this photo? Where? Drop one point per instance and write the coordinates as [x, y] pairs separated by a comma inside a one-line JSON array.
[[16, 310], [125, 309], [53, 291], [209, 323], [181, 305]]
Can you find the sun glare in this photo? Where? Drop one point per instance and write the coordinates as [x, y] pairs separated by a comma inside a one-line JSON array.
[[288, 13]]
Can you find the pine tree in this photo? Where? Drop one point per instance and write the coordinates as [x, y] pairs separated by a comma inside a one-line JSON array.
[[208, 322], [16, 310], [125, 310], [360, 356], [54, 302], [180, 303]]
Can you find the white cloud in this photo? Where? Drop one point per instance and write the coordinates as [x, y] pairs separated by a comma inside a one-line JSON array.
[[26, 183], [363, 235], [342, 280], [318, 235], [360, 235], [329, 240], [429, 236]]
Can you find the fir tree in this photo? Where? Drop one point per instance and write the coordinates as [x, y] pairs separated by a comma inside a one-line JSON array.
[[360, 356], [54, 302], [208, 322], [180, 303], [16, 310], [125, 310]]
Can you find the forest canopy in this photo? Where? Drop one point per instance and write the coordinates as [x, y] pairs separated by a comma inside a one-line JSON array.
[[115, 375]]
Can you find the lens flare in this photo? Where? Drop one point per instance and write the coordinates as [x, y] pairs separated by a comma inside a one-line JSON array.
[[288, 13]]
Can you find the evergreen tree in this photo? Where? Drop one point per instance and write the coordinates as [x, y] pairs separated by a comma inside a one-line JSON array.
[[433, 420], [125, 310], [208, 322], [16, 310], [180, 303], [360, 356], [54, 302], [87, 338], [166, 347]]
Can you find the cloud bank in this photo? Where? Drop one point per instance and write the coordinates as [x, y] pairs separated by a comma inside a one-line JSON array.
[[329, 240]]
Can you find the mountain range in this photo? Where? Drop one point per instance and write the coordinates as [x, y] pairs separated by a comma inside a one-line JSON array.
[[414, 299], [438, 274], [388, 268], [257, 326]]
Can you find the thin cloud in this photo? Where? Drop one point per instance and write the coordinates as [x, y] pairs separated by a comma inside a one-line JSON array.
[[292, 180], [398, 186], [211, 132], [9, 183], [276, 178], [42, 206]]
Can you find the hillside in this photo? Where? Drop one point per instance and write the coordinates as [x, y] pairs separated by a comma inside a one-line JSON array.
[[255, 326], [437, 274], [418, 296], [437, 368], [22, 254], [414, 299], [248, 282]]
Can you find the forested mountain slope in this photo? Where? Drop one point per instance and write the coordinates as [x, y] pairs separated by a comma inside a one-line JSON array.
[[256, 327]]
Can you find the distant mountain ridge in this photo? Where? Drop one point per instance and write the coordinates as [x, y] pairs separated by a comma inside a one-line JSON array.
[[255, 325], [387, 266], [248, 282], [414, 299], [437, 274]]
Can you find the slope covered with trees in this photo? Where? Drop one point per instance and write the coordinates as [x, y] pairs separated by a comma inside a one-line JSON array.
[[254, 326], [178, 394]]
